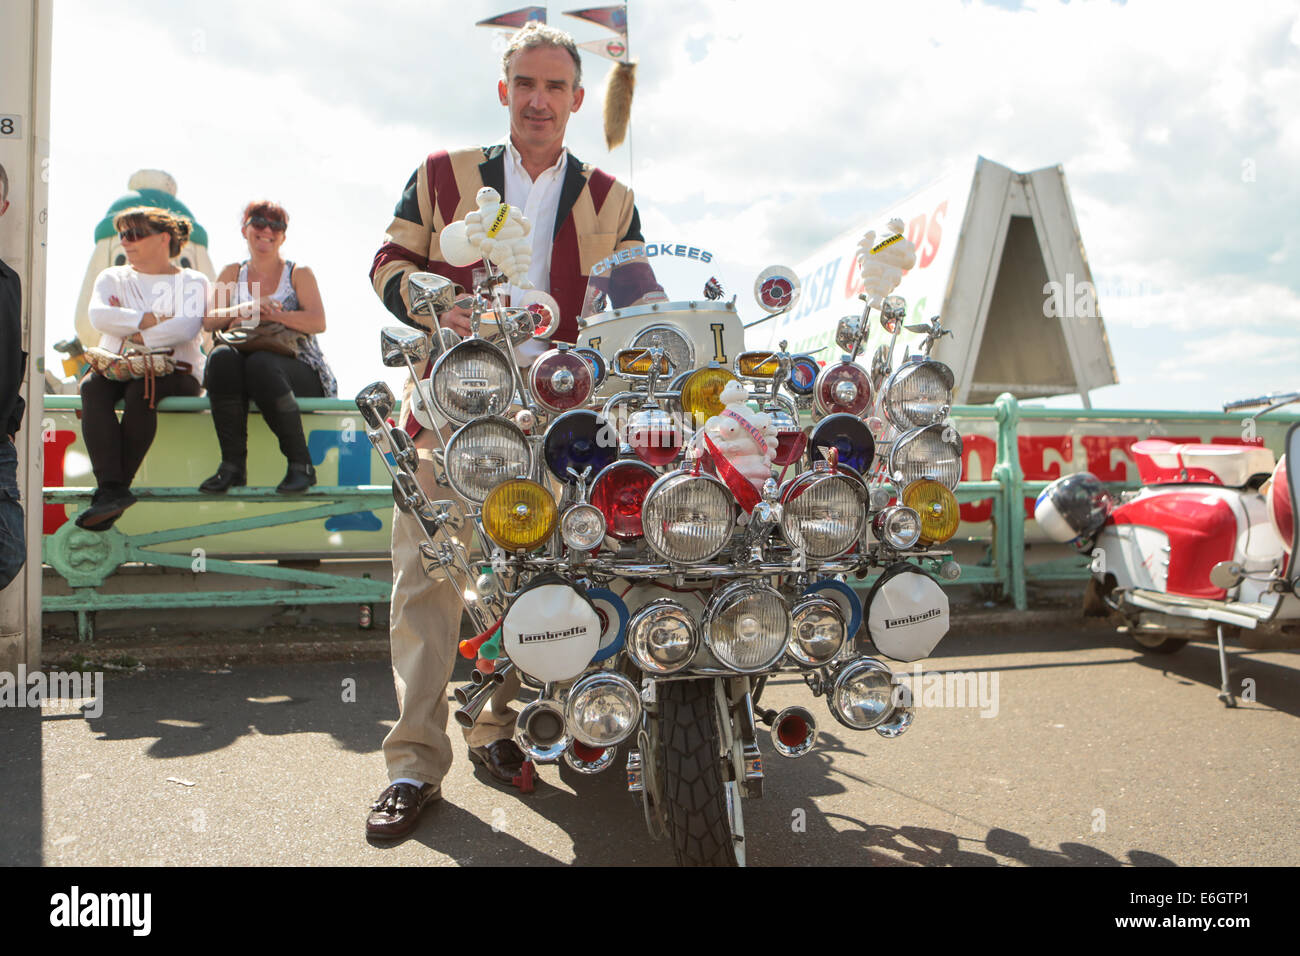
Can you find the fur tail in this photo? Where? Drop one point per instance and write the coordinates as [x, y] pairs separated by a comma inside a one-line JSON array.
[[618, 102]]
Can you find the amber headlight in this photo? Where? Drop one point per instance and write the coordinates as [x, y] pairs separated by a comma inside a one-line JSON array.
[[747, 626], [485, 453], [937, 508], [688, 518], [930, 452], [472, 378], [700, 393], [519, 515]]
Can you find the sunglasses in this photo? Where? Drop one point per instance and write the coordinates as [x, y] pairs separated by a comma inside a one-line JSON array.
[[261, 222], [134, 235]]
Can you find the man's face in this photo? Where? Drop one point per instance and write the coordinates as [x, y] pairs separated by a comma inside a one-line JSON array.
[[539, 92]]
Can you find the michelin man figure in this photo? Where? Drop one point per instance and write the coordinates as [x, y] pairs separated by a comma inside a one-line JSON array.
[[500, 233], [747, 439], [884, 262]]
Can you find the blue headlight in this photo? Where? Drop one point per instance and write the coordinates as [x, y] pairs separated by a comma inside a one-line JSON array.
[[850, 436], [577, 440]]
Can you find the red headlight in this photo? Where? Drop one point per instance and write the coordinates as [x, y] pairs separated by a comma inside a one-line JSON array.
[[1280, 506], [843, 387], [561, 380], [619, 492]]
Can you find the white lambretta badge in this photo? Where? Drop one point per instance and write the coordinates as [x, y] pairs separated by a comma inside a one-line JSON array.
[[908, 616], [551, 632]]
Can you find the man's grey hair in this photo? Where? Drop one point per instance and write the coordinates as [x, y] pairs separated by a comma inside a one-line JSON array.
[[4, 183], [537, 34]]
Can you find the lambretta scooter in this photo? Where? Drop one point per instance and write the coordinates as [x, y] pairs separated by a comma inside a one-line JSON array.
[[1202, 551]]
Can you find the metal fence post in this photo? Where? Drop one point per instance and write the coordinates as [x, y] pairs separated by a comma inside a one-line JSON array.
[[1008, 473]]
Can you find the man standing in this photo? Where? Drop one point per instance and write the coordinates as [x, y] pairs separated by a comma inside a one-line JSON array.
[[13, 360], [580, 215]]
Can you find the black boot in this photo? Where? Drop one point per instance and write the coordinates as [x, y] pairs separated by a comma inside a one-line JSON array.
[[284, 419], [296, 480], [106, 505], [230, 419]]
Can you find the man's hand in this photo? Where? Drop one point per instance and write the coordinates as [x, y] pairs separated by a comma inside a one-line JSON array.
[[456, 319]]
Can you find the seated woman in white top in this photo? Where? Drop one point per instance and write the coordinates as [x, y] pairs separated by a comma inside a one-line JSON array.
[[151, 303], [267, 288]]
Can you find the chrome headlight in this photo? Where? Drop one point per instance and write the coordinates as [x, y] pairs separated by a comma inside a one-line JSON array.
[[603, 709], [662, 637], [688, 518], [862, 694], [897, 526], [817, 633], [485, 453], [679, 349], [747, 626], [582, 527], [823, 511], [918, 394], [930, 452], [472, 378]]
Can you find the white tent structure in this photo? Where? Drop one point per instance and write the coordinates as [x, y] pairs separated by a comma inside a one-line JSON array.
[[1000, 258]]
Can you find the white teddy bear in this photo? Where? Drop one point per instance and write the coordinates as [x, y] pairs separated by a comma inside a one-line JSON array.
[[883, 262], [500, 233], [747, 439]]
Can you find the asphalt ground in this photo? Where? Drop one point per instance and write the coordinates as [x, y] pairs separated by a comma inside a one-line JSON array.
[[1090, 754]]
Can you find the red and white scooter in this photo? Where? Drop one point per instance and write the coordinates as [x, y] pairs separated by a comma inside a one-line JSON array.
[[1203, 549]]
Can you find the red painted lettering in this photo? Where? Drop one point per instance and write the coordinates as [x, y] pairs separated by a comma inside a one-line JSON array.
[[56, 447], [933, 234], [985, 450]]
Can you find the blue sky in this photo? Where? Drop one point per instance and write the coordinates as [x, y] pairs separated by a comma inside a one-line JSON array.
[[760, 130]]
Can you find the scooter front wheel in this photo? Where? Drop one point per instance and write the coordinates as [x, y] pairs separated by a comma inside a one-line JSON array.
[[1154, 644]]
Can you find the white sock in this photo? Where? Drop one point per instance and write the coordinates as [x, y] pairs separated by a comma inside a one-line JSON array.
[[417, 784]]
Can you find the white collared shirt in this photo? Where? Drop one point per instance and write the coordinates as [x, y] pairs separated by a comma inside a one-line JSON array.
[[538, 200]]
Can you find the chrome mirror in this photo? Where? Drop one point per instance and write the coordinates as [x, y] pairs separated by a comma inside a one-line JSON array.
[[375, 403], [1226, 574], [445, 512], [430, 294], [404, 452], [406, 493], [399, 345], [848, 333], [892, 312]]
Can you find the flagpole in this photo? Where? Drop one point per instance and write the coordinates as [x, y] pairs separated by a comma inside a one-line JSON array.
[[627, 39]]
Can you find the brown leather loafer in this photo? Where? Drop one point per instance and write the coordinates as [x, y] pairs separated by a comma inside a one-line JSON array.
[[501, 758], [398, 809]]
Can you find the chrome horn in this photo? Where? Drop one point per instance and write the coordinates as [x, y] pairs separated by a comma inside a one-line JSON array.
[[474, 697], [794, 732], [540, 730], [593, 759]]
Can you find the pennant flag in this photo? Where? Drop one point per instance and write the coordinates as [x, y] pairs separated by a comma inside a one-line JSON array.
[[613, 18], [515, 18], [611, 49]]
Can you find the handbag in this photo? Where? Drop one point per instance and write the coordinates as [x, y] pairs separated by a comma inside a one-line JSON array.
[[271, 337], [135, 362]]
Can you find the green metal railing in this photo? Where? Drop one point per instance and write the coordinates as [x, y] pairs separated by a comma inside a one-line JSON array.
[[87, 559]]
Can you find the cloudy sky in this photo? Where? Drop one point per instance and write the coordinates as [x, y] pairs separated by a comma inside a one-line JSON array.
[[761, 129]]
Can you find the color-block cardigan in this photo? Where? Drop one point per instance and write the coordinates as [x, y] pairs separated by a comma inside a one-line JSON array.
[[595, 218]]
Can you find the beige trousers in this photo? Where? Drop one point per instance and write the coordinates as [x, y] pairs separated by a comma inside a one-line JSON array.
[[424, 635]]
